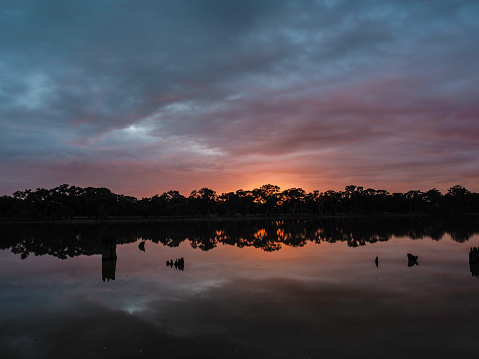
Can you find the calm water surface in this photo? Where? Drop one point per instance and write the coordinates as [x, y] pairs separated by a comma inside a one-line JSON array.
[[258, 289]]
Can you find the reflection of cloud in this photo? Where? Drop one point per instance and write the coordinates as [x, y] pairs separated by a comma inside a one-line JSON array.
[[314, 94], [274, 317]]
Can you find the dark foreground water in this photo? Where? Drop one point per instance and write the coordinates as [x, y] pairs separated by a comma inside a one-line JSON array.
[[258, 289]]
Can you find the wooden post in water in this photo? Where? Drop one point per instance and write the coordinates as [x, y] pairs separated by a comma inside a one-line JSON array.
[[474, 261], [108, 260]]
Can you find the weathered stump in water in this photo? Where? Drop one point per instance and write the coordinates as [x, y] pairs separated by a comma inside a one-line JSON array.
[[109, 250], [108, 260], [412, 260], [108, 269], [474, 261], [474, 255], [178, 263]]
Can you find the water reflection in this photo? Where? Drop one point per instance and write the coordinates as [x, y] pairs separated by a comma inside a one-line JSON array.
[[474, 261], [108, 260], [178, 263], [412, 260], [324, 298], [70, 240]]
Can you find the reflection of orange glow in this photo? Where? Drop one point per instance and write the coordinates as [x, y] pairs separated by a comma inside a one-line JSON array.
[[220, 234], [260, 234]]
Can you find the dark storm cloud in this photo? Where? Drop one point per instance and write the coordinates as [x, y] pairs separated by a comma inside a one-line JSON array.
[[225, 85]]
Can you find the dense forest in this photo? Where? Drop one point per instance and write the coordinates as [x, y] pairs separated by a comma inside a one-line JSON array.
[[68, 202]]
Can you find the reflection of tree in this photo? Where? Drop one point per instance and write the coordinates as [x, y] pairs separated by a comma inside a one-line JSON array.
[[62, 240], [65, 240], [203, 243]]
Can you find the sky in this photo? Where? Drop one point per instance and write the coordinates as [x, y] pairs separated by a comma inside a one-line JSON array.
[[143, 97]]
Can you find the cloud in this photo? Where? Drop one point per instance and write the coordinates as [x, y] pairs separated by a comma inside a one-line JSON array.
[[223, 86]]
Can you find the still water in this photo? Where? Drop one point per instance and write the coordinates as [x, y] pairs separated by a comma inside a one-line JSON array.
[[248, 289]]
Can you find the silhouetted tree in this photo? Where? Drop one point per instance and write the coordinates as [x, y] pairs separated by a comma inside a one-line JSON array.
[[203, 201], [293, 199], [266, 198], [67, 201]]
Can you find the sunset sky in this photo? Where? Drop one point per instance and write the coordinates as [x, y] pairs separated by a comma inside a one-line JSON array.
[[147, 96]]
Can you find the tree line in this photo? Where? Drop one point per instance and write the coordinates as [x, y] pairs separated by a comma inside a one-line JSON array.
[[68, 202]]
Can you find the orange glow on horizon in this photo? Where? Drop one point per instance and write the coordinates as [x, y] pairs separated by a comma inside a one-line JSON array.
[[155, 183]]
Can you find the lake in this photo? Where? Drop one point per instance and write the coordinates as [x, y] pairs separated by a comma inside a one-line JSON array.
[[302, 288]]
